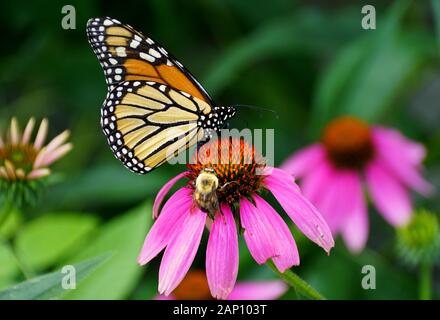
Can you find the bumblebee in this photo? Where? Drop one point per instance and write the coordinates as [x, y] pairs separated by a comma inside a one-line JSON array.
[[205, 194]]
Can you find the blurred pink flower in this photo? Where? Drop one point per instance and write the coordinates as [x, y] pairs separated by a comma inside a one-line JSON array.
[[350, 153], [179, 227], [195, 287], [22, 159]]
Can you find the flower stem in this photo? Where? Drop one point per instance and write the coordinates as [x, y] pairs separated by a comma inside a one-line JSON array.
[[24, 270], [28, 274], [425, 281], [298, 284], [6, 210], [8, 207]]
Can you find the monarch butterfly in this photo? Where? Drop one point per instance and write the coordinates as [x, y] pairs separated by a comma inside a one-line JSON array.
[[154, 108]]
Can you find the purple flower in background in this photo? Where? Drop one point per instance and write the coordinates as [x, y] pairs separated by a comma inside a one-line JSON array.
[[351, 153]]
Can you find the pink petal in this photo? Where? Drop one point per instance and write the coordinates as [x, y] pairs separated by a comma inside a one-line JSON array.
[[411, 150], [20, 173], [164, 297], [41, 134], [163, 192], [4, 173], [166, 225], [300, 210], [355, 226], [316, 182], [28, 131], [304, 160], [402, 157], [180, 251], [10, 169], [222, 254], [267, 235], [388, 194], [258, 290], [328, 189], [15, 132], [52, 156], [335, 201], [58, 141], [287, 252], [38, 162], [279, 176], [38, 173]]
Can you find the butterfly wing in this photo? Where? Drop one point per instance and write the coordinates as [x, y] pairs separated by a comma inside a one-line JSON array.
[[148, 123], [154, 108], [125, 54]]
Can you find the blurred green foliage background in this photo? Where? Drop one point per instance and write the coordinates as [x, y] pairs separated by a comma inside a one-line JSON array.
[[307, 60]]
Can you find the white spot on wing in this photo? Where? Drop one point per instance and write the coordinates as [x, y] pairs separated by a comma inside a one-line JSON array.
[[154, 53], [146, 56], [108, 22], [120, 52], [134, 44]]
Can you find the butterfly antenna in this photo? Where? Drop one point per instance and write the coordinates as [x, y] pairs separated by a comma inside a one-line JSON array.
[[257, 108]]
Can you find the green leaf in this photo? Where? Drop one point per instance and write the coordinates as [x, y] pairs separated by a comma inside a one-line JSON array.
[[9, 268], [260, 44], [371, 73], [335, 81], [334, 276], [339, 276], [123, 236], [293, 280], [290, 33], [11, 224], [97, 186], [436, 9], [391, 282], [48, 286], [145, 290], [383, 76], [48, 239]]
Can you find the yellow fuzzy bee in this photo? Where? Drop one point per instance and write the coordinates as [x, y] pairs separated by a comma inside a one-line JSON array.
[[205, 194]]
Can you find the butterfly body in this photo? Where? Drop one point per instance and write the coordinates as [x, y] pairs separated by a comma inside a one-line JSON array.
[[154, 107]]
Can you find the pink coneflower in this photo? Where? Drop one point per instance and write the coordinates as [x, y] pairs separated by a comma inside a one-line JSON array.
[[195, 287], [231, 169], [350, 153], [23, 159]]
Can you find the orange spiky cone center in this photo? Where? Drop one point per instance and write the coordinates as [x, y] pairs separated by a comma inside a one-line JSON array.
[[193, 287], [20, 155], [348, 144], [234, 162]]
